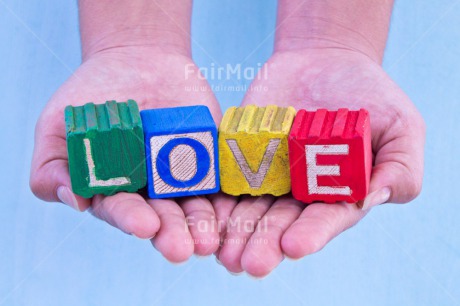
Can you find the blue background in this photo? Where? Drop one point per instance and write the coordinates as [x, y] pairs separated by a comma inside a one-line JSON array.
[[398, 255]]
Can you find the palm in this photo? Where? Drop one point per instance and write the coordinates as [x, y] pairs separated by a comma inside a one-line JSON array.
[[159, 82], [329, 79]]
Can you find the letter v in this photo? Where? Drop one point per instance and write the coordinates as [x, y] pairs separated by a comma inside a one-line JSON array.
[[255, 179]]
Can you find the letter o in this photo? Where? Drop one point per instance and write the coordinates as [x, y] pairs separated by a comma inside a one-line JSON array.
[[203, 162]]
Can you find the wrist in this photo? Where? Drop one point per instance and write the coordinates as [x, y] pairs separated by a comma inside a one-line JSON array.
[[325, 35], [140, 41], [153, 26], [355, 25]]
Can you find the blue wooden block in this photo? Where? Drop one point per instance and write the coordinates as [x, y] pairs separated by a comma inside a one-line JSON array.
[[181, 151]]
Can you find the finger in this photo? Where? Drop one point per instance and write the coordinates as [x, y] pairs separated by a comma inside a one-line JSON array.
[[263, 251], [173, 240], [129, 212], [398, 172], [202, 224], [49, 175], [223, 206], [317, 225], [240, 227]]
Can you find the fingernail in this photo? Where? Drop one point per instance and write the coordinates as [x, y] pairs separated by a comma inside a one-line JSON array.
[[149, 238], [67, 197], [218, 261], [256, 277], [235, 273], [290, 258], [376, 198]]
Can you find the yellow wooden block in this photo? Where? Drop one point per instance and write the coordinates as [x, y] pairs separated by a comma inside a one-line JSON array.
[[253, 150]]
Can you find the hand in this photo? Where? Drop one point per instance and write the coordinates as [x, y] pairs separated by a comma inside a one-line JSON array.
[[154, 79], [332, 79]]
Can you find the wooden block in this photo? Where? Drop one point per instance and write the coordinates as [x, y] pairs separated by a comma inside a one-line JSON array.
[[330, 155], [181, 150], [253, 150], [105, 145]]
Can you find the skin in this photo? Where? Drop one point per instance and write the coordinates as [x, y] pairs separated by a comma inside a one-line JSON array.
[[144, 62], [327, 55]]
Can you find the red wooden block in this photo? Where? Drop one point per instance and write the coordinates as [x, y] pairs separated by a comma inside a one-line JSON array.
[[330, 155]]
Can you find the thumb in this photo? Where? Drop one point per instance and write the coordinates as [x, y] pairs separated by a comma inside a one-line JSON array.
[[398, 172], [49, 175]]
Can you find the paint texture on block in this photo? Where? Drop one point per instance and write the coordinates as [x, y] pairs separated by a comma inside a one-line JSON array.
[[330, 155], [253, 150], [181, 150], [105, 145]]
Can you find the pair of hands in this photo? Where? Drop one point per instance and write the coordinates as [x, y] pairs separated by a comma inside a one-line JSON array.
[[248, 233]]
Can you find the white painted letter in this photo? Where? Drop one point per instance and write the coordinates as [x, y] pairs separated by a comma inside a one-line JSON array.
[[254, 179], [314, 170], [93, 181]]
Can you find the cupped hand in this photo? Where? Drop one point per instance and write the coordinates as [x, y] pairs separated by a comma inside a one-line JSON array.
[[154, 79], [331, 79]]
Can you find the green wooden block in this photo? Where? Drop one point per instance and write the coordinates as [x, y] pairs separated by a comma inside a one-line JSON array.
[[105, 143]]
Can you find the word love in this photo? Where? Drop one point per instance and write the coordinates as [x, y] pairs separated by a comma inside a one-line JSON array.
[[321, 156]]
